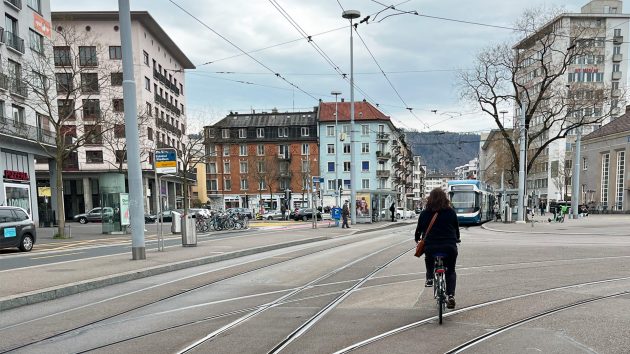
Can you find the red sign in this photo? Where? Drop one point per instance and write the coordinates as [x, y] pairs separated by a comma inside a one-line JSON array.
[[41, 25], [586, 70], [16, 175]]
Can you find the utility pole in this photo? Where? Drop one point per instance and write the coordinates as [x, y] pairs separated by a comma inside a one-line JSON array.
[[520, 218], [337, 192], [575, 194], [134, 169]]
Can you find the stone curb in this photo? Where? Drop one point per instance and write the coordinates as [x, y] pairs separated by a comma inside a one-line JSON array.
[[56, 292], [483, 226]]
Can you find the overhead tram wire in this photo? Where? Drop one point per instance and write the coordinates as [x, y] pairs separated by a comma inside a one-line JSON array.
[[277, 74]]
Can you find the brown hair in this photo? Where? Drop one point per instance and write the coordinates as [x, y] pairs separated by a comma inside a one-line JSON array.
[[437, 200]]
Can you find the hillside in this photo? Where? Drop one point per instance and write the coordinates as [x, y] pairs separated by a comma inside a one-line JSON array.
[[443, 151]]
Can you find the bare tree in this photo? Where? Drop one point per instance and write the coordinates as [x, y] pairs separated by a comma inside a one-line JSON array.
[[531, 76], [66, 93], [114, 140], [192, 152], [561, 173]]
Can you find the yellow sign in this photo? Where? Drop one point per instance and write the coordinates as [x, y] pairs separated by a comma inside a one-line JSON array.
[[43, 191], [160, 164]]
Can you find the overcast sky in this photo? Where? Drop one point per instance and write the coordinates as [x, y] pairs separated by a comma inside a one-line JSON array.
[[420, 55]]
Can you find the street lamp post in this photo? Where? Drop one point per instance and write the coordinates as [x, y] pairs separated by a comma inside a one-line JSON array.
[[337, 193], [351, 15]]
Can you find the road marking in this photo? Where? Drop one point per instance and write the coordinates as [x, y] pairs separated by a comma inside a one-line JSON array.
[[57, 255]]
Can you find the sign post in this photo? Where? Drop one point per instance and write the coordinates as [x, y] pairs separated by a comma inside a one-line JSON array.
[[164, 162]]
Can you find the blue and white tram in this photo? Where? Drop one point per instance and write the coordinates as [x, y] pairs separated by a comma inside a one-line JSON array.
[[472, 200]]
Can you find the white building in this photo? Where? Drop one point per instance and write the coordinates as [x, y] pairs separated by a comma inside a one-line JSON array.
[[23, 130], [160, 92], [468, 171], [418, 180], [436, 180], [602, 28]]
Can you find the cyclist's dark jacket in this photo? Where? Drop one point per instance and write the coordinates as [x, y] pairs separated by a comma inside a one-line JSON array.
[[445, 230]]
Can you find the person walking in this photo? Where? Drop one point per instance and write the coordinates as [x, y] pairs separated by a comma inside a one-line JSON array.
[[442, 239], [345, 213], [283, 210], [392, 209]]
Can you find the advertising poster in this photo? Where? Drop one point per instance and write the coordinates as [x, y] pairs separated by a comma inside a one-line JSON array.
[[363, 205], [124, 209]]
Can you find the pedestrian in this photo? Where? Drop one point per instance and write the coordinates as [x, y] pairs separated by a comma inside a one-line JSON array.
[[442, 239], [345, 212], [283, 210], [497, 215], [392, 209]]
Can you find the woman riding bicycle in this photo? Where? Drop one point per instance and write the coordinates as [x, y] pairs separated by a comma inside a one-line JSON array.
[[442, 239]]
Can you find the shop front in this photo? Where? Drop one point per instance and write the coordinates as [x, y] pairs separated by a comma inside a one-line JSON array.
[[17, 187]]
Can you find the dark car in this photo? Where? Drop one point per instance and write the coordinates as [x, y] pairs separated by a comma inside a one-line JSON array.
[[16, 229], [305, 214], [94, 215], [241, 211], [167, 215]]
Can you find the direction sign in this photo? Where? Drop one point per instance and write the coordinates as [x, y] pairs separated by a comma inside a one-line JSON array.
[[318, 179], [166, 161]]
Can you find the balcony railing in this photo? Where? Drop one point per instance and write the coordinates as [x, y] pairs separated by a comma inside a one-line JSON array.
[[163, 102], [382, 136], [18, 87], [383, 156], [14, 41], [382, 173], [617, 40], [15, 3], [617, 57], [168, 126], [285, 156], [26, 131], [164, 80]]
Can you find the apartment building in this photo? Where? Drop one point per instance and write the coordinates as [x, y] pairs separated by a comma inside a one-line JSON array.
[[24, 132], [437, 180], [595, 82], [418, 180], [256, 159], [469, 170], [159, 66]]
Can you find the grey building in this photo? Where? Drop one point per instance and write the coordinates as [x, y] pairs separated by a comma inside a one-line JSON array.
[[604, 177]]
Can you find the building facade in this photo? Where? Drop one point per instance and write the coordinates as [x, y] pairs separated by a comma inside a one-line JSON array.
[[419, 176], [24, 132], [598, 32], [469, 170], [437, 180], [604, 175], [256, 160], [160, 93]]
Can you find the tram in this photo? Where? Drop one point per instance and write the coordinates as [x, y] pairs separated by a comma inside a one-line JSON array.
[[472, 200]]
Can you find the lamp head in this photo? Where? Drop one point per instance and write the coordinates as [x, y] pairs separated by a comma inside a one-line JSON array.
[[351, 14]]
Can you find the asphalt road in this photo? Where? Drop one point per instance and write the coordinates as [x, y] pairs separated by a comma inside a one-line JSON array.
[[516, 293]]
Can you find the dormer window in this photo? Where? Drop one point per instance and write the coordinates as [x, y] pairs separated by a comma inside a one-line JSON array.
[[260, 132], [242, 133], [225, 133], [304, 131]]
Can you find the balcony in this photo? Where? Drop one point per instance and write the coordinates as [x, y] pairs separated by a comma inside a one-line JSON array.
[[618, 40], [168, 126], [22, 130], [166, 104], [14, 42], [383, 156], [382, 137], [616, 75], [382, 173], [164, 80], [285, 174], [617, 57], [616, 93], [163, 145], [18, 87], [17, 4], [284, 157]]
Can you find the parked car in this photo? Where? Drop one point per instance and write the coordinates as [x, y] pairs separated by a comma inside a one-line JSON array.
[[17, 229], [241, 211], [200, 211], [272, 215], [402, 213], [94, 215], [167, 215], [306, 214]]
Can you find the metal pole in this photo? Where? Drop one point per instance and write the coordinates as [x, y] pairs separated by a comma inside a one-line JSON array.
[[575, 196], [134, 169], [520, 218], [353, 167], [338, 199], [158, 208]]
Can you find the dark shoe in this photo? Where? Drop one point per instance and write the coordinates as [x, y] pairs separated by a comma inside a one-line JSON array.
[[450, 302], [428, 283]]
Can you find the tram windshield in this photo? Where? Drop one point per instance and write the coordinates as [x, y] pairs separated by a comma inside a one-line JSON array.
[[465, 202]]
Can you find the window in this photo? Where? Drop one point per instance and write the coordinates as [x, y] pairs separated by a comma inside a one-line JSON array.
[[365, 148], [346, 183], [145, 57], [242, 133], [621, 169], [65, 109], [330, 148], [345, 128], [147, 84], [91, 109], [260, 132], [261, 166], [225, 133], [243, 167], [331, 167], [61, 56], [116, 79], [330, 130], [365, 166], [346, 166], [346, 148], [604, 180], [212, 167], [37, 41], [95, 156], [260, 149], [304, 131], [115, 52], [119, 131], [617, 49], [149, 110], [89, 82], [365, 129], [150, 133], [87, 56], [213, 185], [226, 166], [365, 183], [242, 150], [17, 114], [261, 185], [615, 68], [283, 151], [617, 32], [305, 149], [305, 166], [226, 150], [93, 134], [332, 185], [381, 128], [227, 184], [244, 184], [283, 132], [615, 85], [118, 105], [64, 82], [34, 4]]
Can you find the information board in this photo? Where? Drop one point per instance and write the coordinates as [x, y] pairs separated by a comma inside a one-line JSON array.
[[166, 161]]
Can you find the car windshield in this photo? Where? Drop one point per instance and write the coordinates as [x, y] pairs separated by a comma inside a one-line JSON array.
[[464, 202]]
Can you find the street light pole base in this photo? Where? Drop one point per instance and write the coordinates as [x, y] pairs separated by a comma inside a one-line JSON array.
[[138, 253]]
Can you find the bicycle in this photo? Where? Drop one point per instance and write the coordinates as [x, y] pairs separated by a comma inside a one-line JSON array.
[[439, 284]]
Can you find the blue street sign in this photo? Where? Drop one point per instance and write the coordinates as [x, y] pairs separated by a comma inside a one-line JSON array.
[[335, 213], [166, 161]]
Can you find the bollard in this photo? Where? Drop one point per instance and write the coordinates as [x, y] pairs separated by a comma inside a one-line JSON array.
[[68, 234]]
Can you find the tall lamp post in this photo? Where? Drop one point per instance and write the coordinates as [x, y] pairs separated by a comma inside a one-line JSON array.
[[351, 15], [337, 184]]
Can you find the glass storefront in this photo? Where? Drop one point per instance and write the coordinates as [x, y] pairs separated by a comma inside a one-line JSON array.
[[18, 195]]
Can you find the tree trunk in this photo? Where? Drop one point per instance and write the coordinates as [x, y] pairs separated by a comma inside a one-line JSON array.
[[61, 213]]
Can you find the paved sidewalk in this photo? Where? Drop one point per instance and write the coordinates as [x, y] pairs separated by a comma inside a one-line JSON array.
[[611, 225], [41, 283]]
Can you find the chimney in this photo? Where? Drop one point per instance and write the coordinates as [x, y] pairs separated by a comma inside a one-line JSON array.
[[342, 99], [364, 100], [274, 110]]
